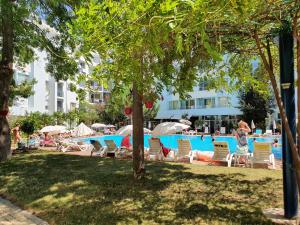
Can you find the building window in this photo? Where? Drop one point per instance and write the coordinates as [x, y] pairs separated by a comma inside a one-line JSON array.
[[173, 105], [200, 103], [183, 104], [224, 101], [60, 91], [60, 107], [205, 103], [203, 86], [191, 103], [209, 102]]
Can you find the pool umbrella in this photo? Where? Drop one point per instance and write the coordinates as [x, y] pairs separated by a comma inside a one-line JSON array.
[[128, 130], [167, 128], [53, 129], [82, 130], [274, 125], [186, 122], [252, 125], [98, 125]]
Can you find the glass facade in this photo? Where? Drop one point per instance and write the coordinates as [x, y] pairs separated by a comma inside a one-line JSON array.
[[200, 103], [203, 86], [206, 103], [224, 101]]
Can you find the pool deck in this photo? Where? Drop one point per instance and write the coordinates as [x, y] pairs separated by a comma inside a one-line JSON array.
[[10, 214]]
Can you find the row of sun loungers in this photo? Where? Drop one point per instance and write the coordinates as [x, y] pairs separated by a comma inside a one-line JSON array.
[[262, 153]]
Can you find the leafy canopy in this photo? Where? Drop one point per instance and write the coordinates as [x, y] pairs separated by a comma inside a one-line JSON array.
[[41, 26]]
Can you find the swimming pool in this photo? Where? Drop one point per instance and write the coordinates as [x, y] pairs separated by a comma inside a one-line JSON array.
[[196, 142]]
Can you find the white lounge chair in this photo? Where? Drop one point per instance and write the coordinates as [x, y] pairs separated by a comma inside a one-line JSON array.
[[68, 145], [112, 148], [97, 147], [268, 132], [184, 150], [222, 153], [155, 149], [262, 154]]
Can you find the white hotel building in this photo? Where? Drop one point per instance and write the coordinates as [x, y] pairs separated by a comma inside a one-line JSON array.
[[50, 95], [209, 106]]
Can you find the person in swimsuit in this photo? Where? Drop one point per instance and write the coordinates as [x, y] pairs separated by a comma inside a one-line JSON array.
[[16, 134], [241, 136]]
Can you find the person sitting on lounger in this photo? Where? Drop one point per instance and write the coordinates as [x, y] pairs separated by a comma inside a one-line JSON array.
[[126, 142], [165, 150], [48, 141], [126, 147]]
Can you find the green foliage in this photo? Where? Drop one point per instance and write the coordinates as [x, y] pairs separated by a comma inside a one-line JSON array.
[[88, 113], [136, 45], [255, 106], [22, 90], [199, 123], [41, 25], [59, 117], [150, 114], [39, 120], [28, 127]]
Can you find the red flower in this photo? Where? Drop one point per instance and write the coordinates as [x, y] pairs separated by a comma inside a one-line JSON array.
[[128, 110], [149, 104]]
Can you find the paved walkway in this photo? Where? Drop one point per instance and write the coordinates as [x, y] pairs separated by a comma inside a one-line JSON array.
[[13, 215]]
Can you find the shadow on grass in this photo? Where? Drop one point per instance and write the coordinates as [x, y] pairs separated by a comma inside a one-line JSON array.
[[66, 189]]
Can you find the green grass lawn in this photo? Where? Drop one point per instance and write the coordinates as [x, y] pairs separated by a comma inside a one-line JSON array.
[[64, 189]]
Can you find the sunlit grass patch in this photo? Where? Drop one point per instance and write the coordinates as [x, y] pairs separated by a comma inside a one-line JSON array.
[[66, 189]]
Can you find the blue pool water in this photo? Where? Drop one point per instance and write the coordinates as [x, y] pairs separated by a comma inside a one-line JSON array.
[[196, 142]]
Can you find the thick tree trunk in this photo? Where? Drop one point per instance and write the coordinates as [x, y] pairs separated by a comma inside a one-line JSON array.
[[6, 74], [138, 134]]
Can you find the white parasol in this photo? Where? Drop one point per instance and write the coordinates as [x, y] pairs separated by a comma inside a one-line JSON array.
[[57, 129], [169, 128], [82, 130], [128, 130], [186, 122], [274, 125], [98, 125], [252, 125]]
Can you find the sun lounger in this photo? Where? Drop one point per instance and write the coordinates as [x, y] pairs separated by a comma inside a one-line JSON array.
[[69, 145], [262, 154], [155, 149], [222, 153], [112, 149], [97, 147], [33, 143], [184, 150], [268, 132]]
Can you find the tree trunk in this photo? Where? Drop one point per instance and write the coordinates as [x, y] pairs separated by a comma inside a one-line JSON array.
[[6, 74], [292, 143], [138, 134], [298, 93]]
